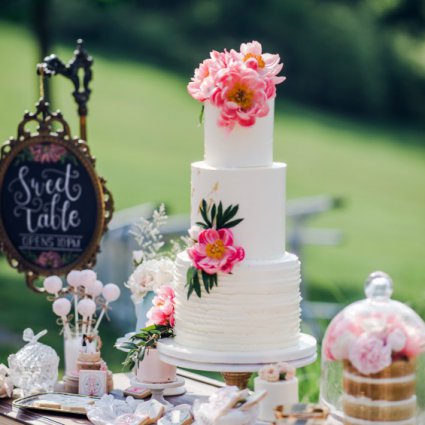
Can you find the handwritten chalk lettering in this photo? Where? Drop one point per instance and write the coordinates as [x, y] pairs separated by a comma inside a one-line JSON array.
[[38, 241], [47, 203], [70, 243]]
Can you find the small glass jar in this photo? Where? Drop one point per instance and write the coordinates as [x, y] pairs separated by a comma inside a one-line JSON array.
[[373, 365], [73, 344], [34, 368]]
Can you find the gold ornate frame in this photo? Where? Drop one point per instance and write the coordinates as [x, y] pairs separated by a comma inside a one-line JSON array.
[[105, 205]]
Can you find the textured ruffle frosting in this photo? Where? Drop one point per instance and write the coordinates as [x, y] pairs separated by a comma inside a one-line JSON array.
[[256, 308]]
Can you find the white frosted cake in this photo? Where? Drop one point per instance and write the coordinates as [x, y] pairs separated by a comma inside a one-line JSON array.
[[237, 289]]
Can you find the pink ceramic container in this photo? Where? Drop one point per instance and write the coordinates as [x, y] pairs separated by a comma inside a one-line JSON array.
[[153, 370]]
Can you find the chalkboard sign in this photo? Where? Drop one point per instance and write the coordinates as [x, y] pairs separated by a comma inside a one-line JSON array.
[[53, 206]]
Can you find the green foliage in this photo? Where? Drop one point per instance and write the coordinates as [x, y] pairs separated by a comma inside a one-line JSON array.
[[215, 217], [143, 341]]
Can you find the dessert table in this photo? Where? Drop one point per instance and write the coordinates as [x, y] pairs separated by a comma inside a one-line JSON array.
[[197, 386]]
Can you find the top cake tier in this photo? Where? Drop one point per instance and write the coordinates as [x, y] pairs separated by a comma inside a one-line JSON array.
[[240, 147]]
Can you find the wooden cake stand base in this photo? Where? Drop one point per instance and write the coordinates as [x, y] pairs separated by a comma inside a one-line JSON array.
[[239, 379]]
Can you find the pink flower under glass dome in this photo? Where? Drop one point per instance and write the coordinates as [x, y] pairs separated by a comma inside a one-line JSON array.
[[373, 362]]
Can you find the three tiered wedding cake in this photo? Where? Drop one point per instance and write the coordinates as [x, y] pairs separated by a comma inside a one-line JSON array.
[[237, 290]]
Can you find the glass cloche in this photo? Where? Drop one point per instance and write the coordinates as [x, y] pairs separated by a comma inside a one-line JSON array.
[[34, 368], [373, 360]]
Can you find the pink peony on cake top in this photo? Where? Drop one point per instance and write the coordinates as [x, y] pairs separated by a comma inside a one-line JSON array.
[[372, 333], [239, 83]]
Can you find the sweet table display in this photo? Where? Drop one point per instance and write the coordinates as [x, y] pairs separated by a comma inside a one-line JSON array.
[[373, 362], [225, 298]]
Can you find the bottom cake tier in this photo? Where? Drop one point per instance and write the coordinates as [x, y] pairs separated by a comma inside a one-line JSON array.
[[255, 308]]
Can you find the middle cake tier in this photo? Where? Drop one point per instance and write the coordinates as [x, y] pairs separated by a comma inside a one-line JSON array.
[[260, 194], [256, 308]]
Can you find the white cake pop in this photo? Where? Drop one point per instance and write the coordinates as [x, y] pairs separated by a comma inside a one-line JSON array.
[[61, 307], [111, 293], [95, 289], [88, 277], [86, 307], [74, 278], [52, 284]]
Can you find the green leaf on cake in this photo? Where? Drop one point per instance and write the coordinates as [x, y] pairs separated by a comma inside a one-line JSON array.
[[192, 282], [215, 217], [201, 114], [233, 223], [203, 209]]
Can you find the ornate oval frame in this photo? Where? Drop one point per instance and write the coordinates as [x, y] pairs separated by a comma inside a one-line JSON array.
[[103, 198]]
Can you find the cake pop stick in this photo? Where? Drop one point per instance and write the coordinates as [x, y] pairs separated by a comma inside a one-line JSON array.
[[52, 285], [86, 307], [111, 293], [73, 280], [93, 290], [61, 307]]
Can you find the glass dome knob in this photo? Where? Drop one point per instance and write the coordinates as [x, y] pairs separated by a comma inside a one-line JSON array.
[[379, 286]]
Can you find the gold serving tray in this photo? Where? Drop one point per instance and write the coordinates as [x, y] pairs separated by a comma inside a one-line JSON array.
[[68, 402]]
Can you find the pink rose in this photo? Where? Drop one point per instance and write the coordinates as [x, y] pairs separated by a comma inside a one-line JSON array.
[[214, 252], [369, 354], [269, 373]]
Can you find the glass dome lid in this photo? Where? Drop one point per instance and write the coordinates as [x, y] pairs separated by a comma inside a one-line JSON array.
[[373, 368]]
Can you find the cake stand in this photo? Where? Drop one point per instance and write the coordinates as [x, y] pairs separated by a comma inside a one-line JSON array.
[[158, 389], [237, 367], [170, 391]]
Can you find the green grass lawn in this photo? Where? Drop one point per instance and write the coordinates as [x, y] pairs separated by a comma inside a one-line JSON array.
[[143, 130]]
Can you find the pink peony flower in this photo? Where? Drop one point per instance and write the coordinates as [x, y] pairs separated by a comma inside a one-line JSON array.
[[265, 64], [238, 83], [47, 152], [241, 96], [162, 312], [214, 252], [397, 340], [369, 354], [49, 259], [338, 337], [269, 373], [202, 84]]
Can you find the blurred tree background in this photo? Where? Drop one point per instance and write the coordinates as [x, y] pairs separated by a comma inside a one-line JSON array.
[[361, 57]]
